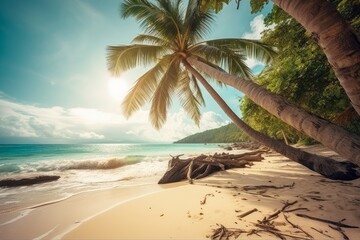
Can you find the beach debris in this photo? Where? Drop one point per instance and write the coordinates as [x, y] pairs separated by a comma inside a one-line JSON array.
[[161, 215], [274, 215], [247, 213], [339, 223], [222, 233], [262, 187], [296, 209], [322, 232], [244, 145], [204, 165], [202, 202], [27, 181], [336, 228], [297, 226]]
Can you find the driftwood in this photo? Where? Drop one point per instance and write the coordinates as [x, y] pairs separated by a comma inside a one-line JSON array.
[[225, 233], [204, 200], [204, 165], [297, 226], [244, 145], [339, 224], [322, 232], [345, 237], [262, 187], [12, 182], [247, 213]]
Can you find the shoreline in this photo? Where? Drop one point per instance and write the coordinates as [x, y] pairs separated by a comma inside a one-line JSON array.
[[176, 211]]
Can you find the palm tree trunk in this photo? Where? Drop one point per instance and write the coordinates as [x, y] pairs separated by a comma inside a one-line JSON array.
[[330, 135], [327, 167], [335, 36]]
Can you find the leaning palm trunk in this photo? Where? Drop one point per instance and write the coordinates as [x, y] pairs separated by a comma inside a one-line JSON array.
[[330, 135], [327, 167], [335, 36]]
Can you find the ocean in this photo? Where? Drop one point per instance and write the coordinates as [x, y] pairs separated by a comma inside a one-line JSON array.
[[84, 167]]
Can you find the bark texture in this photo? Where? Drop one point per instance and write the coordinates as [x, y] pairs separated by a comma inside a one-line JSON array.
[[339, 41], [330, 135]]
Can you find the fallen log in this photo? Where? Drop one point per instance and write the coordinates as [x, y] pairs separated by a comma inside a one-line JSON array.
[[203, 165], [27, 181]]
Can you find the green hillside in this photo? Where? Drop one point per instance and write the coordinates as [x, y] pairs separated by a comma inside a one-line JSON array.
[[225, 134]]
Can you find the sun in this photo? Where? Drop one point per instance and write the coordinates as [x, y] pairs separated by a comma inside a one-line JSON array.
[[117, 88]]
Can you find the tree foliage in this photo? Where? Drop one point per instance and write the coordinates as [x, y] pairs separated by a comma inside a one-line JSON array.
[[225, 134], [301, 74], [173, 32]]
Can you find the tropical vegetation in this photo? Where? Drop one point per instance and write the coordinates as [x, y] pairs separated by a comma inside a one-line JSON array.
[[229, 133], [302, 75], [336, 138], [173, 38], [331, 30]]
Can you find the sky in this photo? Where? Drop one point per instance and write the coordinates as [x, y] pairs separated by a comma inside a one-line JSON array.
[[54, 82]]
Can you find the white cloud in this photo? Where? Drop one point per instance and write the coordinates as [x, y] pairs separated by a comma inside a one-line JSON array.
[[257, 26], [77, 124], [177, 126]]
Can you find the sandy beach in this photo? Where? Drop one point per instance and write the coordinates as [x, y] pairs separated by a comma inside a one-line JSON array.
[[276, 192]]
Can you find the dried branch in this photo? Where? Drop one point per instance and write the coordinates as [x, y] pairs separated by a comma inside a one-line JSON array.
[[340, 231], [322, 232], [297, 226], [296, 209], [223, 233], [247, 213], [204, 200], [276, 213], [339, 224], [248, 188]]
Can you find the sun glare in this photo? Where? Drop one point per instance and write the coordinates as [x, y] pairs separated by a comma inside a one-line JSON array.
[[117, 88]]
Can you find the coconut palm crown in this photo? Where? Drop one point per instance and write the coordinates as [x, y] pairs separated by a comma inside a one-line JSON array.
[[173, 33]]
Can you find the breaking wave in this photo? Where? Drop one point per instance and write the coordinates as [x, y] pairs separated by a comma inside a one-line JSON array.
[[64, 165], [98, 165]]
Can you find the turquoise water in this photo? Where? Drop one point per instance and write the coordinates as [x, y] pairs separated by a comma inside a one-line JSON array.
[[48, 157], [84, 167]]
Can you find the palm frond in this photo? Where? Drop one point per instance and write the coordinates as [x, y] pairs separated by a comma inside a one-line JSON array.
[[190, 101], [122, 58], [197, 91], [150, 39], [161, 99], [154, 19], [144, 88], [222, 56], [249, 47], [197, 23]]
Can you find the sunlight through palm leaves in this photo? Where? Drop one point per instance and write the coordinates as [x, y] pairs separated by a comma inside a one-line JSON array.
[[173, 33]]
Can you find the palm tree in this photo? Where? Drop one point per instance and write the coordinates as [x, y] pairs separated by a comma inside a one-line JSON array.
[[327, 167], [172, 36], [339, 41], [330, 135]]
